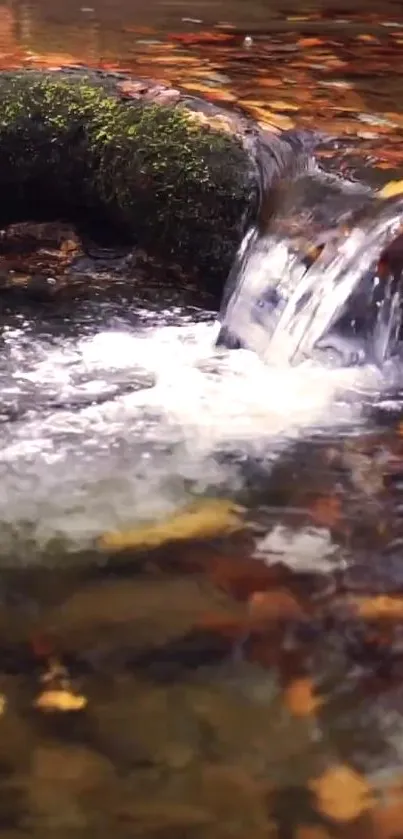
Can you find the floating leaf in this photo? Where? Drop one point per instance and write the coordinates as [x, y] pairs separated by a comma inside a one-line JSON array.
[[341, 793], [206, 520], [300, 698], [60, 700]]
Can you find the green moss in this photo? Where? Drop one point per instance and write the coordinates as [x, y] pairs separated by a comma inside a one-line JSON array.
[[70, 145]]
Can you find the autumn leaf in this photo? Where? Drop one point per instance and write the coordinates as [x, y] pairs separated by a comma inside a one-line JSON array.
[[202, 37], [60, 700], [367, 38], [300, 699], [206, 520], [391, 189], [342, 794], [382, 607], [280, 105], [215, 94], [262, 114], [267, 82], [310, 42]]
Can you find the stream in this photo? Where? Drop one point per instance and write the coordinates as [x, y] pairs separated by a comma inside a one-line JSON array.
[[246, 683]]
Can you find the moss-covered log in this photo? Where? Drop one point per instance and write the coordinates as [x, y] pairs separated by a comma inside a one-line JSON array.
[[135, 162]]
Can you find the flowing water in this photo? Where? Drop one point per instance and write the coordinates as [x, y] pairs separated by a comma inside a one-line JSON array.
[[119, 418], [284, 305], [248, 684]]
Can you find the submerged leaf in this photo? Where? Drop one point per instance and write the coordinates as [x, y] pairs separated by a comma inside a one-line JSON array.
[[206, 520], [300, 698], [60, 700], [381, 607], [391, 189], [341, 793]]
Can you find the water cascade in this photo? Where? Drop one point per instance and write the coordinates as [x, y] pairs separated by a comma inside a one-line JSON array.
[[304, 287]]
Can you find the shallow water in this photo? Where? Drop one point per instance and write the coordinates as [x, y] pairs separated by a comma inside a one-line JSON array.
[[224, 678]]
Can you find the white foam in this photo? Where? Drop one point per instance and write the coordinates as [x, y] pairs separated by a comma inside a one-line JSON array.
[[75, 473]]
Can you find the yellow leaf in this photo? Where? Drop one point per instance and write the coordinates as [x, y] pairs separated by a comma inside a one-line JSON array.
[[391, 189], [369, 38], [206, 520], [60, 700], [262, 113], [210, 92], [279, 105], [342, 794]]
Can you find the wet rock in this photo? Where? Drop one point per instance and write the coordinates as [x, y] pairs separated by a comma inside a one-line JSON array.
[[60, 777], [145, 725], [24, 237], [134, 613], [236, 800], [189, 199]]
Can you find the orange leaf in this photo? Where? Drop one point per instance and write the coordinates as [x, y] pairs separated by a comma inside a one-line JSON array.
[[382, 607], [202, 37], [341, 793], [211, 93], [263, 82], [300, 698], [310, 42], [368, 38]]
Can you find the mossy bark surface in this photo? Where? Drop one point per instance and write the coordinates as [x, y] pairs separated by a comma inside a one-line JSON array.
[[155, 168]]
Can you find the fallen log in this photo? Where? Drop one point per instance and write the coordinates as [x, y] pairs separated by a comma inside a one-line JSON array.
[[136, 162]]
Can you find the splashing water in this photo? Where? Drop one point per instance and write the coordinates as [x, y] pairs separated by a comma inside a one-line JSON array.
[[123, 425], [286, 311]]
